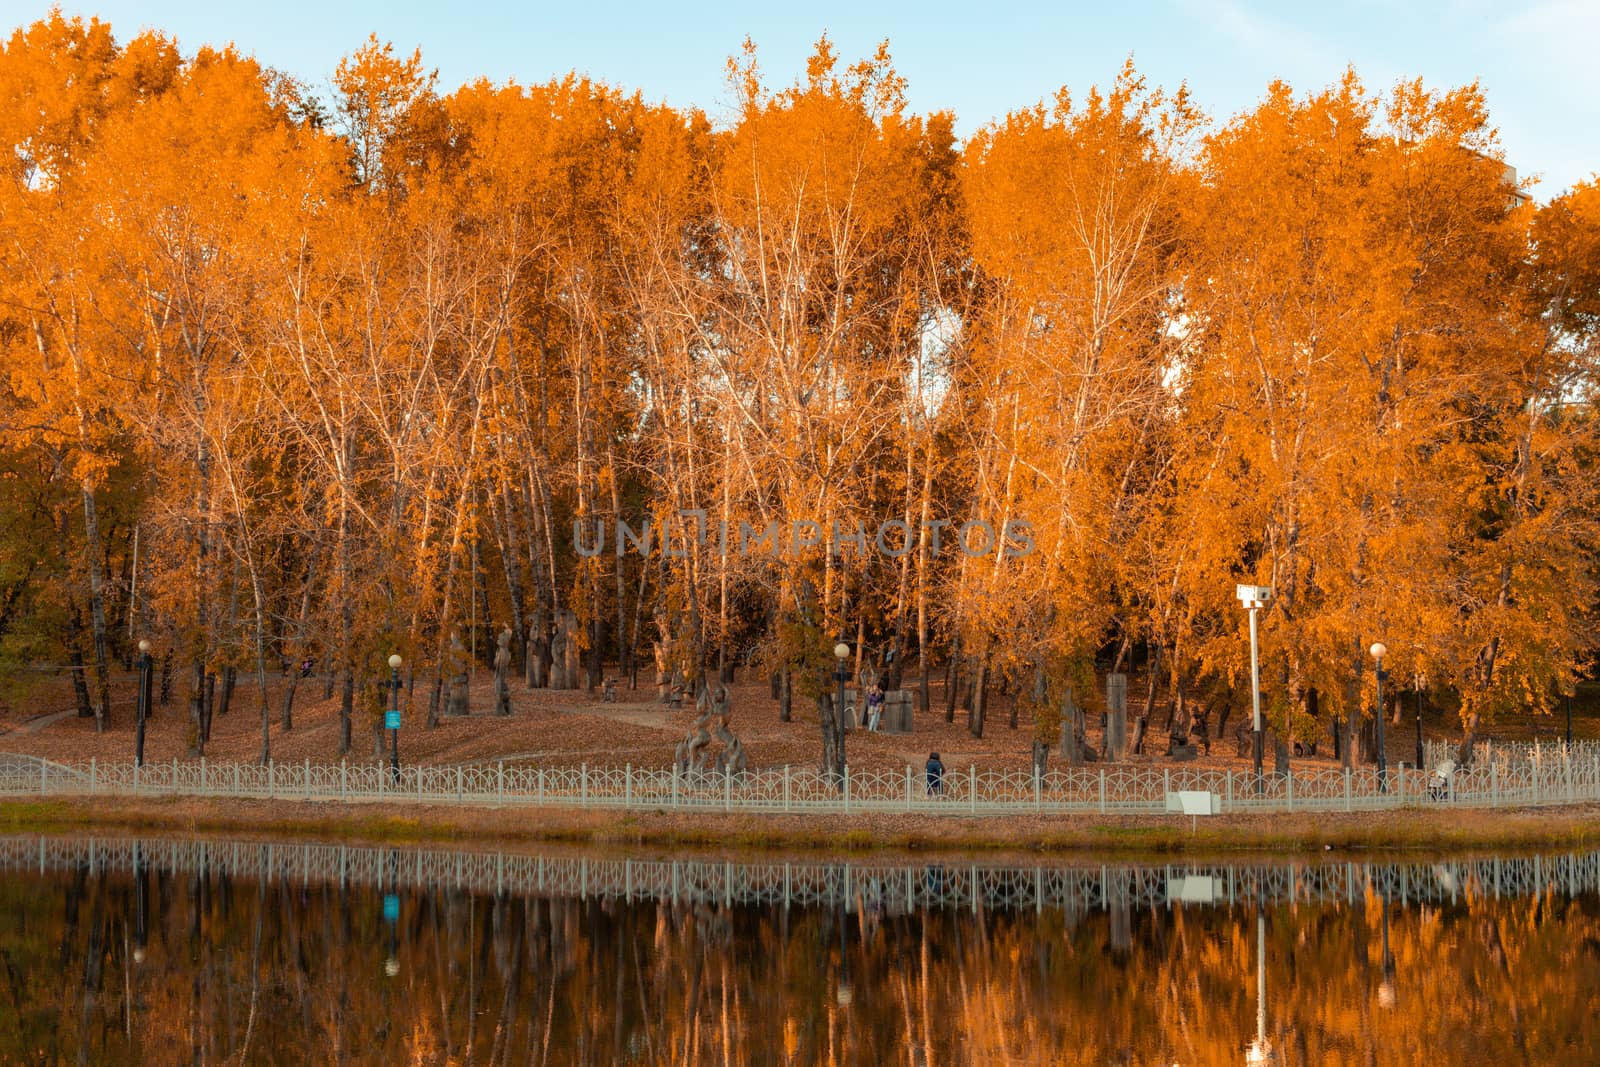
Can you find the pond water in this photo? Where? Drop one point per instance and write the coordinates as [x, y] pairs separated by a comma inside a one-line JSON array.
[[124, 951]]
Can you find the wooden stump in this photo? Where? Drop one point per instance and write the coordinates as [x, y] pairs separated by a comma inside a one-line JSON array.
[[896, 717]]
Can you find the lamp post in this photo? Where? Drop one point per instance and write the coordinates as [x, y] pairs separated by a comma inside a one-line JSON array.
[[142, 702], [1422, 684], [1254, 598], [391, 718], [1379, 650], [841, 652]]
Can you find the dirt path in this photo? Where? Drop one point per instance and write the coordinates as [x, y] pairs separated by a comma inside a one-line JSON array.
[[34, 724], [646, 715]]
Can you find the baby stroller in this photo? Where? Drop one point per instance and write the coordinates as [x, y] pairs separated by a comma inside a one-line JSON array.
[[1441, 783]]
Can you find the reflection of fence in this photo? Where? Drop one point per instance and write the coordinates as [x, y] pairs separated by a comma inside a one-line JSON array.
[[894, 888], [1509, 753], [1558, 778]]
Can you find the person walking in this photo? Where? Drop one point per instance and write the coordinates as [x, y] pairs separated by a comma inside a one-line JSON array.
[[935, 772]]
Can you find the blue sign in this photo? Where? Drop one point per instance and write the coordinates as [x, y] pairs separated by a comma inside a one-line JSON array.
[[391, 908], [391, 720]]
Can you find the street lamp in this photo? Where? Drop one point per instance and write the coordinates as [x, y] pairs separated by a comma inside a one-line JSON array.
[[1379, 650], [1422, 685], [1254, 598], [841, 652], [391, 718], [142, 702]]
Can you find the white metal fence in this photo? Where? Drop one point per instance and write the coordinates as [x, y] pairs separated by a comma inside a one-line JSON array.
[[1508, 753], [898, 888], [1560, 779]]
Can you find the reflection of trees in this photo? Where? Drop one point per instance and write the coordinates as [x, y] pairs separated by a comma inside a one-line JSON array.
[[278, 972]]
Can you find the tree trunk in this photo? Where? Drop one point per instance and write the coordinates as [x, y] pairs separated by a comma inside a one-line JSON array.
[[1071, 731], [1142, 725], [197, 710], [952, 667], [80, 685], [980, 693], [501, 505], [722, 567], [346, 705], [266, 710], [130, 582], [1469, 737], [1179, 721], [210, 707], [97, 611], [631, 664], [832, 758], [286, 720]]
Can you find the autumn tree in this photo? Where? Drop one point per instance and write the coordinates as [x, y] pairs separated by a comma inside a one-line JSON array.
[[1074, 219]]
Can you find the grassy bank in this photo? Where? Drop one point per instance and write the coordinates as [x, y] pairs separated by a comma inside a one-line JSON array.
[[1410, 830]]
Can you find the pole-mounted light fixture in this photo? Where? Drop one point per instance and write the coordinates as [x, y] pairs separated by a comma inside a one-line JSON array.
[[1254, 598], [391, 717], [142, 702]]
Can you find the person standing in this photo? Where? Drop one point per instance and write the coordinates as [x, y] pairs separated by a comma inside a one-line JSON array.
[[935, 773]]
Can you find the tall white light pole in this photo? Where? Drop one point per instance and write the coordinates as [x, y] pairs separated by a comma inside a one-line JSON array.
[[1254, 598]]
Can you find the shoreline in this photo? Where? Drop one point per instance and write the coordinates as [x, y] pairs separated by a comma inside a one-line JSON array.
[[1299, 834]]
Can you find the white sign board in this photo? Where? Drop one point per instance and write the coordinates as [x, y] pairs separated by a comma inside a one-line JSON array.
[[1192, 889], [1194, 803]]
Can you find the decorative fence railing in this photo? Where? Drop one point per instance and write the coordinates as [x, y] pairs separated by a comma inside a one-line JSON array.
[[896, 886], [1562, 779], [1508, 753]]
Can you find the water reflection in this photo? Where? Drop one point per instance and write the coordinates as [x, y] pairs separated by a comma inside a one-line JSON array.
[[132, 951]]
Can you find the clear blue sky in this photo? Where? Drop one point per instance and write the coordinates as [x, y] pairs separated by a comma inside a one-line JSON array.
[[1536, 61]]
